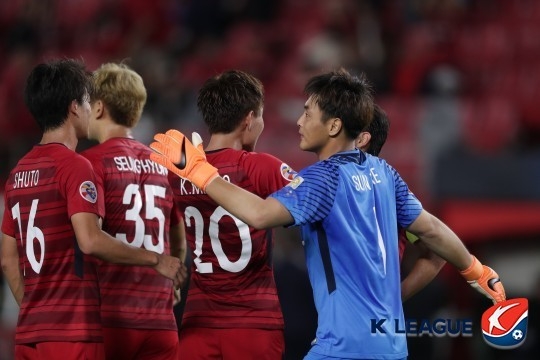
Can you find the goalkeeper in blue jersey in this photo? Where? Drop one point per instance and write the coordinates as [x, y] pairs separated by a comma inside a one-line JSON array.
[[428, 264], [349, 205]]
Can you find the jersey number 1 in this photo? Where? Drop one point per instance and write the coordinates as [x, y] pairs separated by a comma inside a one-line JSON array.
[[32, 232]]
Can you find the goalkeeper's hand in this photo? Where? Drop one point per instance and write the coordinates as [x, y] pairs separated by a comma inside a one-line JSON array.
[[485, 280], [183, 158]]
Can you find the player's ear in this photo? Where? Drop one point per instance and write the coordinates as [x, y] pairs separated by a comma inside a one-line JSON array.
[[334, 126], [362, 140], [248, 121], [74, 107], [98, 108]]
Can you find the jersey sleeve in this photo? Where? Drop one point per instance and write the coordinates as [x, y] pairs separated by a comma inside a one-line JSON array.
[[310, 195], [97, 167], [267, 173], [80, 189], [8, 225], [408, 207]]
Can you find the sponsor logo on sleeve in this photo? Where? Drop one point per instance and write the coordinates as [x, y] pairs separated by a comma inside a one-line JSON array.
[[504, 325], [296, 182], [88, 191], [287, 172]]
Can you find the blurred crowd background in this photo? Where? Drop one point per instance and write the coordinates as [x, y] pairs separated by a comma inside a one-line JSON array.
[[459, 79]]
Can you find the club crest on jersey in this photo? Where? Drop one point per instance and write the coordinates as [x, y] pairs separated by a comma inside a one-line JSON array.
[[88, 191], [504, 325], [287, 172]]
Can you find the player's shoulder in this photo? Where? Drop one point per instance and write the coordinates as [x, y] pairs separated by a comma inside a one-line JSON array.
[[66, 157], [375, 161], [49, 155], [65, 162], [115, 145], [74, 160], [260, 159], [95, 151], [321, 175], [326, 167], [316, 169], [269, 163]]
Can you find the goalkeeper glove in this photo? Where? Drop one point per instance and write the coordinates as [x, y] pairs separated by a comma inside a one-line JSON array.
[[485, 280], [183, 158]]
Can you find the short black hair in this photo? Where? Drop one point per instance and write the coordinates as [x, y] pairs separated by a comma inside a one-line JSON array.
[[378, 128], [52, 86], [342, 95], [225, 99]]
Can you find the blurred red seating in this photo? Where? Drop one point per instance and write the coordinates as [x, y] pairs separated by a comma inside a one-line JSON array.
[[490, 123]]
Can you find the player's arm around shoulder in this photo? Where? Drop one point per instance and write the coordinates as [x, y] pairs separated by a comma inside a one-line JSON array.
[[250, 208], [268, 173], [178, 248], [93, 241]]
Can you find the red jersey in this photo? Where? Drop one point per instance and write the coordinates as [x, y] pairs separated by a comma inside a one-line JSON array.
[[50, 184], [402, 242], [232, 281], [139, 211]]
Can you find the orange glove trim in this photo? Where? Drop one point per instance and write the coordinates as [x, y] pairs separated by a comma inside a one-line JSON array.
[[474, 271], [485, 280]]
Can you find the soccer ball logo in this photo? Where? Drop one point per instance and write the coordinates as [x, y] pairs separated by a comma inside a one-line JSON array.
[[504, 325]]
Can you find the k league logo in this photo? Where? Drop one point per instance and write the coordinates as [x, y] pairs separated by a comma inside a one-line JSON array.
[[504, 325]]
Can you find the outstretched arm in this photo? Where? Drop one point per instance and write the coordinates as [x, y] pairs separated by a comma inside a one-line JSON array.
[[444, 242], [187, 160], [248, 207]]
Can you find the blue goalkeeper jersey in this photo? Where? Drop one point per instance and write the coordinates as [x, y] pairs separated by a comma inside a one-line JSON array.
[[349, 207]]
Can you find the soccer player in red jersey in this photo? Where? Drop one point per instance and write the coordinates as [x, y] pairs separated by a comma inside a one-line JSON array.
[[51, 224], [136, 302], [232, 309], [428, 264]]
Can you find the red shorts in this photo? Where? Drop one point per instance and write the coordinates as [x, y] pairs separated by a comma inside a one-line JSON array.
[[124, 344], [208, 343], [64, 350]]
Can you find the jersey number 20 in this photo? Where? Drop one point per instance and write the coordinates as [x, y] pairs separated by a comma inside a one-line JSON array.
[[193, 214]]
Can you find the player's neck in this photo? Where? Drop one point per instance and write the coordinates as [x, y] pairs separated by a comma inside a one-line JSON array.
[[62, 135], [335, 146], [113, 130], [222, 141]]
